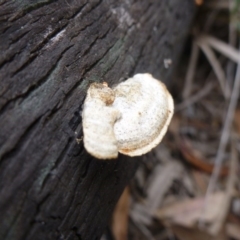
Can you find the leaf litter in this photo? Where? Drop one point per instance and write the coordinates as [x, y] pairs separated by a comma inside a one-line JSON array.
[[188, 188]]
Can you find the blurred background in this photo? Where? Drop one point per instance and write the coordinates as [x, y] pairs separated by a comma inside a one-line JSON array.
[[188, 188]]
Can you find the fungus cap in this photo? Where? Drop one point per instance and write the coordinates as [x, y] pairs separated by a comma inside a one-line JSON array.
[[131, 118], [146, 109]]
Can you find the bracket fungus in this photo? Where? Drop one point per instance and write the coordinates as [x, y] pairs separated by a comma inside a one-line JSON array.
[[131, 118]]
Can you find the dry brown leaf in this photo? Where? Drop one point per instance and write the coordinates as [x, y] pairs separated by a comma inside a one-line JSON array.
[[237, 120], [199, 2], [120, 216], [184, 233], [195, 158], [201, 180], [188, 212], [233, 230]]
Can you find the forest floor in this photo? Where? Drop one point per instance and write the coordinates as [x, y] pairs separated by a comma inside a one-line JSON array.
[[188, 188]]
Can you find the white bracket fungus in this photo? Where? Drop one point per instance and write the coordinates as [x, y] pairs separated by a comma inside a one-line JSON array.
[[131, 118]]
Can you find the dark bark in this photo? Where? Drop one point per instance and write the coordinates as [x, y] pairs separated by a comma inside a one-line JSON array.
[[50, 51]]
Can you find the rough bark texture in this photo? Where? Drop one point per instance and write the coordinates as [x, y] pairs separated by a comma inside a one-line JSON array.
[[50, 51]]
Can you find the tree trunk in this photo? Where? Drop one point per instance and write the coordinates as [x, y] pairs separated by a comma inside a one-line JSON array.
[[50, 51]]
